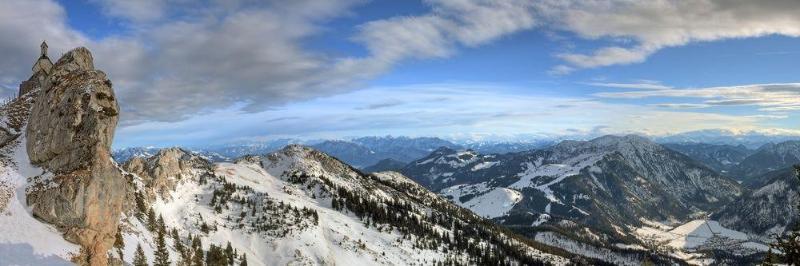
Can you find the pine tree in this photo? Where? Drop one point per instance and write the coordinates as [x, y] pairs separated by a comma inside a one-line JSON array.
[[162, 229], [138, 258], [119, 243], [161, 254], [243, 261], [179, 245], [151, 220], [204, 227], [229, 253], [769, 259], [197, 257], [216, 256]]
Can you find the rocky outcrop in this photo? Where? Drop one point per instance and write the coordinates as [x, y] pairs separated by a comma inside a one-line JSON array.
[[162, 171], [69, 135]]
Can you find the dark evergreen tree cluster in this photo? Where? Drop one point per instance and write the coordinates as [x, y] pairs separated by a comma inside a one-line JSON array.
[[254, 211]]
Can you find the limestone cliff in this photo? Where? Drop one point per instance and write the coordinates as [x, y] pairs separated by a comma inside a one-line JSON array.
[[162, 171], [69, 135]]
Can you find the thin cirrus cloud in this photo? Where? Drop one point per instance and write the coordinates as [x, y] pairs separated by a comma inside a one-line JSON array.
[[777, 97], [642, 85]]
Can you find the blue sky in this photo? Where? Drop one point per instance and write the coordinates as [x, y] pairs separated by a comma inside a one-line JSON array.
[[205, 72]]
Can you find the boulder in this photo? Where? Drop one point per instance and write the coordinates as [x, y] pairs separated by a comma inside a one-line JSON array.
[[69, 134]]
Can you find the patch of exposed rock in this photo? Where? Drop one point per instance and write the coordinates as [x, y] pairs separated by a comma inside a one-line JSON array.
[[69, 134], [163, 170]]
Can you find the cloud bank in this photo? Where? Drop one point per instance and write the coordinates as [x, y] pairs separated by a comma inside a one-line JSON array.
[[176, 59]]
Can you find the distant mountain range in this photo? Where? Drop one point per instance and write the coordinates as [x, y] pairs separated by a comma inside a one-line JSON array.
[[748, 166], [750, 139], [360, 152], [624, 189], [720, 157]]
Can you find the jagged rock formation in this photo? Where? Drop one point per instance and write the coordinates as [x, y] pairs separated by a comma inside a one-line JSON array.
[[161, 171], [69, 135]]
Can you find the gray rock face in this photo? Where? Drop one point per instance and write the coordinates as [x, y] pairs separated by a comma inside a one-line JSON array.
[[69, 134], [161, 171], [74, 116]]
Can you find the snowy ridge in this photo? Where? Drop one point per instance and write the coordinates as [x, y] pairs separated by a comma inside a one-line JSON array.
[[294, 206]]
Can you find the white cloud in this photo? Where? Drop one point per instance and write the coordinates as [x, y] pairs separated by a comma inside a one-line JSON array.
[[640, 85], [432, 110], [176, 58], [638, 29], [251, 55], [775, 97], [682, 105], [138, 10], [24, 25]]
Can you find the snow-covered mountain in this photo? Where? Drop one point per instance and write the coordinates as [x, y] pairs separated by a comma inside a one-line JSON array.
[[359, 152], [294, 206], [751, 139], [64, 200], [490, 147], [617, 200], [124, 155], [610, 184], [235, 150], [720, 157], [769, 209], [299, 205], [367, 151], [769, 157]]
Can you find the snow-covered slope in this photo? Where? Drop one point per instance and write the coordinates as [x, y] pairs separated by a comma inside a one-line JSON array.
[[691, 240], [24, 240], [606, 185], [300, 206], [490, 202]]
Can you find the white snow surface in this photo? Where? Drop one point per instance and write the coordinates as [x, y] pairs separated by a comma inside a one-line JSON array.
[[557, 172], [332, 242], [23, 239], [691, 238], [491, 203]]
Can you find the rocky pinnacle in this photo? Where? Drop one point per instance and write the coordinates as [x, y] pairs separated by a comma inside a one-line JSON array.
[[69, 135]]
